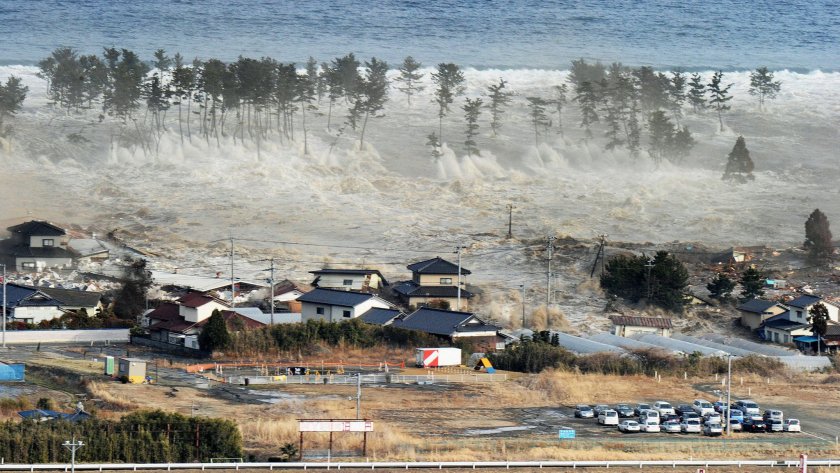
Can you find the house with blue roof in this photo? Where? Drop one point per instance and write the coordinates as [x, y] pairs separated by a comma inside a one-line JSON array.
[[334, 305], [379, 316]]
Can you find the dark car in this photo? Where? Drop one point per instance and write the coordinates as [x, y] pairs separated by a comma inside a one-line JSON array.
[[640, 407], [624, 410], [670, 417], [682, 409], [754, 425]]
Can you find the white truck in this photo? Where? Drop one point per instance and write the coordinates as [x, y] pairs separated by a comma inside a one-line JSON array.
[[436, 357]]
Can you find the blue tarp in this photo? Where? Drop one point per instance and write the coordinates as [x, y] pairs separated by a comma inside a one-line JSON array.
[[805, 339], [44, 414], [11, 372]]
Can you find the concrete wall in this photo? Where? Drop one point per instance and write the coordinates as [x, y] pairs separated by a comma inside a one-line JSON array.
[[33, 337]]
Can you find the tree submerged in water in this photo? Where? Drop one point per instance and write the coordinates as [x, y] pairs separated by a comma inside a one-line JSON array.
[[739, 165], [818, 238]]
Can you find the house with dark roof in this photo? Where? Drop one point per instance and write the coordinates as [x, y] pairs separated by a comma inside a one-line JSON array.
[[33, 305], [379, 316], [627, 326], [335, 305], [359, 280], [286, 293], [801, 306], [781, 329], [755, 311], [454, 326], [433, 282], [36, 245]]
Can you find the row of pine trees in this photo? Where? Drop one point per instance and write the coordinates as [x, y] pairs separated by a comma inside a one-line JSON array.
[[255, 99]]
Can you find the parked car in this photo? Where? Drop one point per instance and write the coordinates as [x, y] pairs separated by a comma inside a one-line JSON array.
[[773, 414], [792, 425], [747, 406], [712, 430], [702, 407], [691, 426], [650, 426], [690, 415], [719, 406], [774, 425], [682, 409], [663, 408], [714, 418], [599, 408], [641, 407], [754, 425], [649, 415], [672, 427], [669, 417], [628, 426], [736, 414], [584, 411], [608, 417], [624, 410], [735, 425]]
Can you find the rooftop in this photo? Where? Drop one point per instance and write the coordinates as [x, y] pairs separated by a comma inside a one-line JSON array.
[[656, 322], [758, 306], [436, 265], [412, 289], [804, 301], [195, 300], [380, 316], [335, 297], [444, 322], [38, 228]]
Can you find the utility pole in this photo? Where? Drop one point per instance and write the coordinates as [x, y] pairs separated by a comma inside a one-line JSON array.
[[510, 221], [649, 267], [232, 282], [522, 288], [359, 396], [728, 394], [272, 291], [599, 255], [548, 285], [458, 250], [603, 238], [73, 447], [4, 306]]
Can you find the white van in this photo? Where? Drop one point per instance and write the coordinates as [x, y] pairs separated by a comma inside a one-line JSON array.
[[649, 415], [703, 407], [650, 425], [608, 417]]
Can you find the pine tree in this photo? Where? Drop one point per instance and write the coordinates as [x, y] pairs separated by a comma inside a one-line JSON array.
[[409, 78], [539, 119], [433, 142], [819, 321], [739, 165], [12, 95], [752, 283], [214, 335], [720, 97], [697, 93], [661, 135], [588, 101], [818, 238], [305, 95], [681, 144], [721, 287], [131, 299], [559, 102], [450, 83], [65, 78], [499, 98], [634, 133], [373, 92], [677, 94], [472, 110], [763, 86], [184, 81]]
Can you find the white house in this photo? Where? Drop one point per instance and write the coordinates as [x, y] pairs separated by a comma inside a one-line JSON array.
[[801, 306], [195, 307], [780, 329], [335, 305], [434, 280], [627, 326], [36, 245]]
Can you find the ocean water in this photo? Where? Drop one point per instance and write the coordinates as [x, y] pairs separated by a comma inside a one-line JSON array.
[[515, 34]]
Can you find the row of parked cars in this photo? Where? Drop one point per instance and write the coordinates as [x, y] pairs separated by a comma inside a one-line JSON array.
[[699, 417]]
